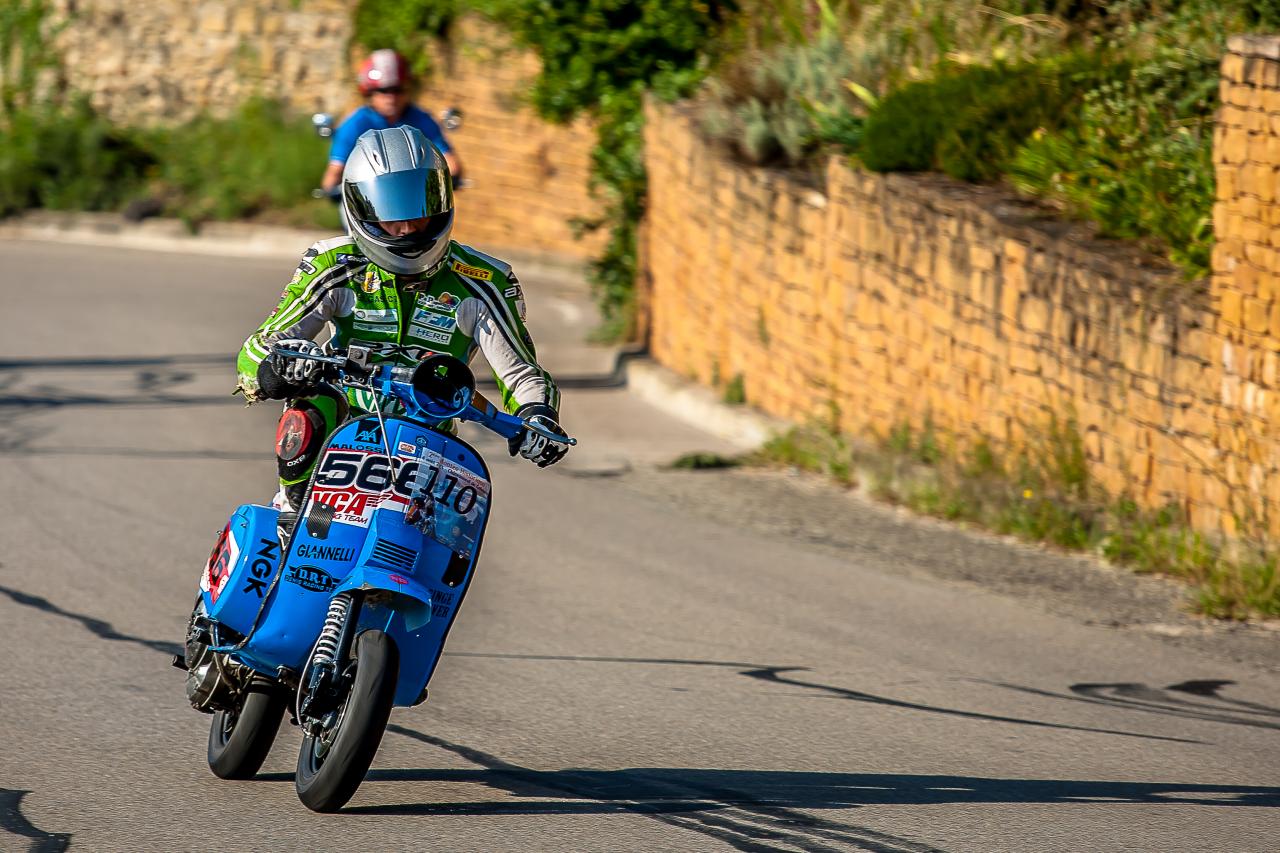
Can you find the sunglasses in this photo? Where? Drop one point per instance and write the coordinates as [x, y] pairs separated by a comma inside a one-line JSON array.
[[389, 90]]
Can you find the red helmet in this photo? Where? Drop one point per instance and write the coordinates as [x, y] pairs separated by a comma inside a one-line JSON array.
[[383, 69]]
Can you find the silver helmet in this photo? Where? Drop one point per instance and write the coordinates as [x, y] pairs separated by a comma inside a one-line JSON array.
[[395, 174]]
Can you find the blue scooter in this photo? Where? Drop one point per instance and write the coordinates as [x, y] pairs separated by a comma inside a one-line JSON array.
[[340, 612]]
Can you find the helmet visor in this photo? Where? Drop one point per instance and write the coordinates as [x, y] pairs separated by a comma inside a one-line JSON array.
[[415, 242], [411, 194]]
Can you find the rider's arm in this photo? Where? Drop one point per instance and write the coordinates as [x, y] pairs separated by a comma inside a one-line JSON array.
[[332, 175], [494, 322], [451, 160], [342, 143], [317, 293], [431, 129]]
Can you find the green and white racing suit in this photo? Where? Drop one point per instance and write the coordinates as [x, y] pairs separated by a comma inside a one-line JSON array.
[[473, 302]]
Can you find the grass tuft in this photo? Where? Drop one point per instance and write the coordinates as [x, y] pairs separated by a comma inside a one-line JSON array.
[[1043, 495]]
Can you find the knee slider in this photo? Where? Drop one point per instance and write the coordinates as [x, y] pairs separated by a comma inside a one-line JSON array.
[[299, 436]]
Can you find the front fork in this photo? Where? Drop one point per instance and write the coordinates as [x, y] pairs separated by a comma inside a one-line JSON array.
[[322, 692]]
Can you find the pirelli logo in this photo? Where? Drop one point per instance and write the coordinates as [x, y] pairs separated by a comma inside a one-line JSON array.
[[472, 272]]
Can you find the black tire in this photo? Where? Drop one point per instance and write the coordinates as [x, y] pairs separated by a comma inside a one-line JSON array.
[[325, 784], [239, 743]]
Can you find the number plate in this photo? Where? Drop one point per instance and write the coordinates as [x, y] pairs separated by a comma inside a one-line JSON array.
[[461, 501], [355, 483]]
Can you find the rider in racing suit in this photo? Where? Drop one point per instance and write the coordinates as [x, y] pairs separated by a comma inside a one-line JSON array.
[[401, 287]]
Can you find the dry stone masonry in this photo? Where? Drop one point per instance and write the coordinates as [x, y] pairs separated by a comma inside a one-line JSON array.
[[879, 300], [530, 179], [163, 62]]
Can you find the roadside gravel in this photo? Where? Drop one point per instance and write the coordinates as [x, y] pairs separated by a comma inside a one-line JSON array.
[[816, 514]]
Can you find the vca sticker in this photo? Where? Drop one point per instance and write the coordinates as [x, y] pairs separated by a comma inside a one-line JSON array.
[[312, 578]]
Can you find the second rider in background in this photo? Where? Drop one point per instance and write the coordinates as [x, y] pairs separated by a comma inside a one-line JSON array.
[[385, 81]]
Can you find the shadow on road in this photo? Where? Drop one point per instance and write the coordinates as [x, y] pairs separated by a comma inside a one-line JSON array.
[[1169, 701], [14, 822], [102, 629], [778, 675], [751, 809]]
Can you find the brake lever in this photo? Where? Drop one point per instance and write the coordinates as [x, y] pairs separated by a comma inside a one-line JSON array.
[[548, 434]]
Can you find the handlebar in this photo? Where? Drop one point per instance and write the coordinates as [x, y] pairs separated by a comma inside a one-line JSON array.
[[353, 371]]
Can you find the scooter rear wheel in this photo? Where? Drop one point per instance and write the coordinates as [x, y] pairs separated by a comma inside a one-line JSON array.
[[239, 743], [329, 773]]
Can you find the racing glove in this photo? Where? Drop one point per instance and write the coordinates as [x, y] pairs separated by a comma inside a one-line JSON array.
[[538, 449], [281, 377], [296, 370]]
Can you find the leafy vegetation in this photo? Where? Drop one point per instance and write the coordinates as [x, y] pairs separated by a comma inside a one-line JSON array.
[[1102, 109], [1043, 495], [970, 121], [1151, 174], [599, 58], [408, 26], [67, 158], [784, 106], [257, 161]]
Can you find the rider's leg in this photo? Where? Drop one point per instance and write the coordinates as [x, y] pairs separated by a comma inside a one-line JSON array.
[[305, 424]]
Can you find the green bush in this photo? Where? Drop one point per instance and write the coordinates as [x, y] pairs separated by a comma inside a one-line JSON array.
[[257, 160], [1140, 160], [599, 57], [404, 25], [969, 122], [68, 158]]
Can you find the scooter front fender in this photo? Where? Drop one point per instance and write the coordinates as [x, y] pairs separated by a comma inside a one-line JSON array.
[[408, 597]]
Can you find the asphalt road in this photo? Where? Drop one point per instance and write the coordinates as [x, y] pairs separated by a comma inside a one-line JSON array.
[[638, 666]]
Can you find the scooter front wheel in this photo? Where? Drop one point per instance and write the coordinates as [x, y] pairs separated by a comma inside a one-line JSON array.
[[239, 742], [331, 766]]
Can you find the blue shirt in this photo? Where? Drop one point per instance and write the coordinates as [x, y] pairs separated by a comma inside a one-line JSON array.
[[366, 118]]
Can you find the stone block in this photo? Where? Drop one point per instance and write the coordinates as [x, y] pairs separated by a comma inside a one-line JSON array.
[[213, 18], [1229, 307], [244, 20], [981, 258], [1233, 68], [1009, 299], [1034, 314], [1257, 148], [1252, 231], [1255, 315]]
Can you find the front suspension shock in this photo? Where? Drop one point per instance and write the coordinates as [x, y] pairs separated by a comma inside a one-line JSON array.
[[326, 651], [322, 690]]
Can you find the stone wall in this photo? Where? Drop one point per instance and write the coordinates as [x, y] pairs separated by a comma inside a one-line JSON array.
[[529, 178], [890, 299], [1246, 274], [163, 61]]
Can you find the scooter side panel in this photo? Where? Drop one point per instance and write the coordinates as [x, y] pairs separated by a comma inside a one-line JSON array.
[[241, 567]]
